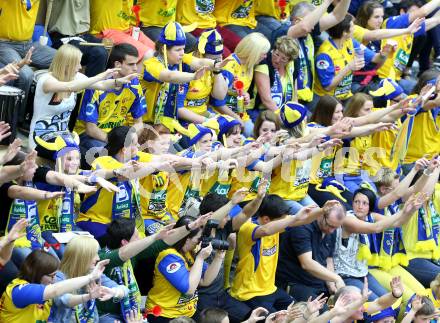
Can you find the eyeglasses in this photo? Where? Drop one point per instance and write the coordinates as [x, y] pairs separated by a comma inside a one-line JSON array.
[[280, 56], [328, 224]]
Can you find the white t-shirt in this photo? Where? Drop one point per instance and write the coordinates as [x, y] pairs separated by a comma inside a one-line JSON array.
[[50, 119]]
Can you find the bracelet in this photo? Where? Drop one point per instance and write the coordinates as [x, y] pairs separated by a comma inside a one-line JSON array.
[[216, 72], [187, 227], [427, 172], [395, 295], [320, 148]]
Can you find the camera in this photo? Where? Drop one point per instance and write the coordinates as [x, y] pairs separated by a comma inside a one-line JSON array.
[[217, 244]]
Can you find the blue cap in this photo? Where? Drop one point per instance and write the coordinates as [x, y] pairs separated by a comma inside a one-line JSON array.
[[172, 35], [225, 123]]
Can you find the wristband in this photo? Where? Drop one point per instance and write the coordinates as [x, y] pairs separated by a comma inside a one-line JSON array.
[[427, 172], [187, 227], [395, 295], [216, 72]]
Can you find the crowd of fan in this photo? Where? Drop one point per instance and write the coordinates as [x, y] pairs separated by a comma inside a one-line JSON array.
[[231, 160]]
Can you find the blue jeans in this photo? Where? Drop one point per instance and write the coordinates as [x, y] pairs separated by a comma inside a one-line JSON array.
[[277, 301], [373, 285], [47, 235], [96, 229], [424, 270], [110, 318], [238, 311], [407, 85], [352, 183], [295, 206], [266, 25]]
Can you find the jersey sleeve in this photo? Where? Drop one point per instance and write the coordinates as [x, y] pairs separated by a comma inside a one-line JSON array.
[[359, 33], [139, 106], [368, 53], [172, 267], [246, 234], [24, 295], [396, 22], [89, 106], [152, 70], [325, 69]]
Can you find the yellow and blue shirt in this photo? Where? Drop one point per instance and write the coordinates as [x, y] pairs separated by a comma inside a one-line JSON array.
[[157, 12], [106, 15], [162, 98], [19, 16], [201, 12], [330, 60], [171, 284], [112, 108], [235, 12], [257, 264], [235, 70], [395, 65], [103, 206], [24, 302]]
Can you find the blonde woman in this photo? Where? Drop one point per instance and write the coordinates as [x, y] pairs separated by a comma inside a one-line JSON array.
[[275, 77], [55, 95], [80, 258], [250, 51]]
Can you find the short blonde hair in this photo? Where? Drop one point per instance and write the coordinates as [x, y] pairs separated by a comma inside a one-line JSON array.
[[78, 256], [65, 62], [385, 177], [288, 46], [250, 49]]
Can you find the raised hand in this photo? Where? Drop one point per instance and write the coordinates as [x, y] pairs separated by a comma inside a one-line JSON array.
[[165, 231], [277, 317], [53, 195], [200, 221], [239, 195], [94, 290], [433, 163], [27, 60], [105, 184], [415, 26], [205, 252], [11, 152], [420, 164], [315, 305], [200, 72], [4, 130], [17, 231], [29, 166], [257, 315], [303, 216], [99, 269], [397, 287], [415, 202], [106, 293], [262, 187], [85, 189]]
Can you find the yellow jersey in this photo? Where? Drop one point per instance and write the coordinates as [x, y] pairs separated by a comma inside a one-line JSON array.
[[19, 16], [162, 96], [331, 59], [102, 206], [171, 269], [106, 15], [112, 108], [157, 12], [196, 11], [425, 137], [38, 313], [257, 264], [199, 93], [272, 9], [235, 12]]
